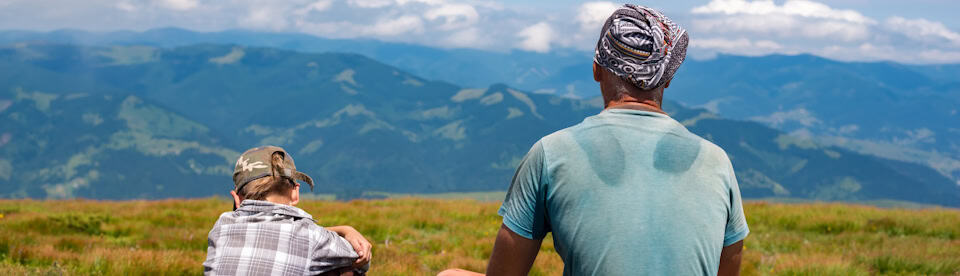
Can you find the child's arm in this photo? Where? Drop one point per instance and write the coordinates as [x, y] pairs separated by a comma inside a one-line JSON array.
[[331, 252], [357, 241], [211, 262], [346, 271]]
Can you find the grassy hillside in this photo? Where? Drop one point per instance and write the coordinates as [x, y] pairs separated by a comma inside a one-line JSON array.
[[423, 236]]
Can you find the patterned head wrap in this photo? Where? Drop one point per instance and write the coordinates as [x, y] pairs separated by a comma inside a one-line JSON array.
[[641, 45]]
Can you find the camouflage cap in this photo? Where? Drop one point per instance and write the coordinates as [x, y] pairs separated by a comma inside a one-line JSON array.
[[255, 163]]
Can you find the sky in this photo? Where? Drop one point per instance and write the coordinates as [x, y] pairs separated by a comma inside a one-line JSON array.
[[915, 32]]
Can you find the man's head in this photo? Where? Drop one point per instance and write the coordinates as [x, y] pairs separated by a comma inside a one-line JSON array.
[[267, 173], [638, 53]]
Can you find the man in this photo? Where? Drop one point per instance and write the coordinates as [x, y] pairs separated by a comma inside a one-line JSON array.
[[628, 191]]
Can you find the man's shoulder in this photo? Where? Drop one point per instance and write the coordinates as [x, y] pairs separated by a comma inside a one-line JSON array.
[[562, 135], [705, 144], [711, 157], [711, 149], [556, 135], [708, 150]]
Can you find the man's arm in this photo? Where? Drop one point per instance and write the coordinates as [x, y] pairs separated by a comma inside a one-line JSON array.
[[512, 255], [730, 259], [736, 229], [524, 215]]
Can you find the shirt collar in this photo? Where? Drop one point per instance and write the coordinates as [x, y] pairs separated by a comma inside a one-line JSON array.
[[658, 117], [260, 206]]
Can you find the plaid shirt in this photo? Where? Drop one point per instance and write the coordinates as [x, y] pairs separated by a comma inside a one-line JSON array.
[[265, 238]]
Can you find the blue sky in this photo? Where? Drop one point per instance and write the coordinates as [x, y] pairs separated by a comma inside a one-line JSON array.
[[917, 31]]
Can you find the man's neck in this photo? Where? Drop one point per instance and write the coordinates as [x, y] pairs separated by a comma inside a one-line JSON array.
[[643, 105]]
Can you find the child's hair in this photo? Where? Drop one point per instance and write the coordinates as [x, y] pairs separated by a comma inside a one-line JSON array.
[[260, 188]]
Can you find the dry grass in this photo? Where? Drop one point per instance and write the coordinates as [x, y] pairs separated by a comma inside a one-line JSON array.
[[423, 236]]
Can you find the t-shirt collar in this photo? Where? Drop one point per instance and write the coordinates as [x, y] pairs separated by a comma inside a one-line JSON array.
[[634, 112]]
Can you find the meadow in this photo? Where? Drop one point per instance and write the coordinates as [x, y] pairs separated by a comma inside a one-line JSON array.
[[419, 236]]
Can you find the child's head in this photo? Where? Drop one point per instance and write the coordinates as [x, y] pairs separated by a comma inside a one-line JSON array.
[[267, 173]]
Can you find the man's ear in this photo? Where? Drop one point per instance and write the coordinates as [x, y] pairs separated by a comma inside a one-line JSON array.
[[236, 199], [596, 72], [295, 194]]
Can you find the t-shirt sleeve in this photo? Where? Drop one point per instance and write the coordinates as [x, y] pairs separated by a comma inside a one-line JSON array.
[[736, 229], [523, 209]]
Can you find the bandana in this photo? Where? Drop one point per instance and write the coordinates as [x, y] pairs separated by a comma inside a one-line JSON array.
[[641, 45]]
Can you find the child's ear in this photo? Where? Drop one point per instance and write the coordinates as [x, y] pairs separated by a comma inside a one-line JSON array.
[[295, 194], [236, 199]]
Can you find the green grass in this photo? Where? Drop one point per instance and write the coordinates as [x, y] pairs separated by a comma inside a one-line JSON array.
[[479, 196], [421, 236]]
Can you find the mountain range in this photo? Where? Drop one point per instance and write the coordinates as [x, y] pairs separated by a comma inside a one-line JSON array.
[[136, 121], [894, 111]]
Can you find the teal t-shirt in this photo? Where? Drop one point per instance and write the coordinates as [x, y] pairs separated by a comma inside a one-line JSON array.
[[628, 192]]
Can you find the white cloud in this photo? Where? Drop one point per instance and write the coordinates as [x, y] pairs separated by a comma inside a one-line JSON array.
[[488, 4], [763, 27], [180, 4], [937, 56], [794, 18], [397, 26], [467, 38], [803, 26], [370, 3], [878, 52], [767, 44], [818, 10], [741, 46], [743, 27], [426, 22], [428, 2], [125, 6], [317, 6], [591, 15], [749, 23], [385, 3], [454, 16], [265, 17], [922, 29], [834, 30], [536, 38], [334, 29], [801, 8]]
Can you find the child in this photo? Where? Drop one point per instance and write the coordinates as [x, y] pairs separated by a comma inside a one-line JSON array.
[[265, 234]]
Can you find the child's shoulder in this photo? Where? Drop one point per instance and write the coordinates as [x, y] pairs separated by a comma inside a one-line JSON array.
[[228, 214], [226, 217]]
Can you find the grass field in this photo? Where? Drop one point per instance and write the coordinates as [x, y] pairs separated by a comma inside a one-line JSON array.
[[423, 236]]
